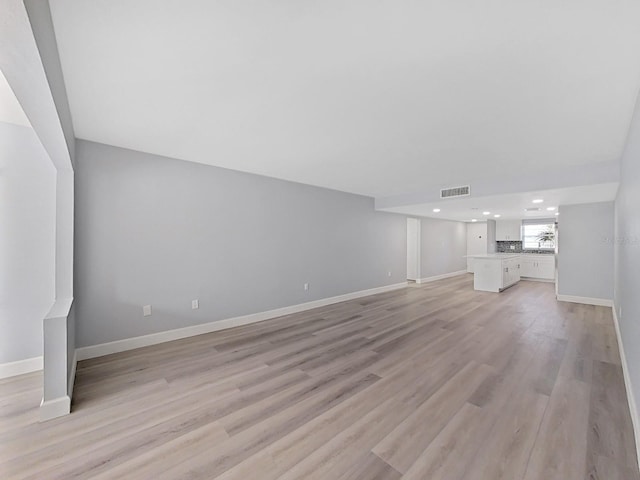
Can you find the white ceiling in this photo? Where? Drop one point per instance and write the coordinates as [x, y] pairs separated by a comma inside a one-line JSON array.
[[10, 109], [510, 206], [377, 98]]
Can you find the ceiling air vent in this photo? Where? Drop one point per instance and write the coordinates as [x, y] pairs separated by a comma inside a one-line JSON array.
[[455, 192], [532, 209]]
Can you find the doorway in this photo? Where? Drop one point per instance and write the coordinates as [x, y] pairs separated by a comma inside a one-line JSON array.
[[413, 249]]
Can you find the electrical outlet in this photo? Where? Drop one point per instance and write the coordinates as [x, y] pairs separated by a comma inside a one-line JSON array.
[[146, 310], [306, 287], [195, 304], [388, 274]]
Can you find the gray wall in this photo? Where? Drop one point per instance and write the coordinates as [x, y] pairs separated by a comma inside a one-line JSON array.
[[444, 246], [585, 250], [159, 231], [27, 242], [627, 253]]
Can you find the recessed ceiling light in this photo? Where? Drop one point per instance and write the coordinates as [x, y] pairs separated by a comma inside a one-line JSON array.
[[436, 210], [497, 216], [538, 200], [486, 213], [474, 220], [551, 209]]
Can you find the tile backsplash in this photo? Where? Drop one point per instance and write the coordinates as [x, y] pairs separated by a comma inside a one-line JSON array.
[[505, 247]]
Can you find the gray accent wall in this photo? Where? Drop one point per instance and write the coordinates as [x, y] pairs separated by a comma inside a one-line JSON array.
[[585, 250], [159, 231], [627, 253], [27, 242], [443, 247]]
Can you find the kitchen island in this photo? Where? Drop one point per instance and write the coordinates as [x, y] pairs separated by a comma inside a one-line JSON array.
[[493, 272]]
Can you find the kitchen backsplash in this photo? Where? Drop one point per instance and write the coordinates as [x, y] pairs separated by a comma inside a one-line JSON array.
[[505, 247]]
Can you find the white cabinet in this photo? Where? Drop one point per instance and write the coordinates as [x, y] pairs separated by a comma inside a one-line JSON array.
[[542, 267], [494, 273], [510, 272], [508, 230], [546, 269], [527, 267]]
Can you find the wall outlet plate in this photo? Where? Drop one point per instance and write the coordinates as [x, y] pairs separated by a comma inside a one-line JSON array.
[[146, 310], [306, 287], [195, 304]]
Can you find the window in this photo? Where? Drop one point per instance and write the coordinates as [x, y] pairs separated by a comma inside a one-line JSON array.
[[539, 236]]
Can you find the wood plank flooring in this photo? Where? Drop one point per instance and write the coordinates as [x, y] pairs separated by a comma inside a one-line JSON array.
[[435, 381]]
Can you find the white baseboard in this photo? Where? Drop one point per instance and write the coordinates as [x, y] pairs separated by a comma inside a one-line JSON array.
[[102, 349], [602, 302], [55, 408], [534, 279], [72, 375], [633, 409], [20, 367], [440, 277]]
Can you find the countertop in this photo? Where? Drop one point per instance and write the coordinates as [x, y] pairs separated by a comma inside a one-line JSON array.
[[502, 256]]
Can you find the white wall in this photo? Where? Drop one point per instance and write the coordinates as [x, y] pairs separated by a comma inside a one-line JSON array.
[[491, 236], [476, 238], [443, 247], [477, 241], [27, 241], [32, 68], [585, 250]]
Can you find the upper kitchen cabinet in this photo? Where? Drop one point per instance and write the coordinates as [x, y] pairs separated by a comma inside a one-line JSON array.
[[508, 230]]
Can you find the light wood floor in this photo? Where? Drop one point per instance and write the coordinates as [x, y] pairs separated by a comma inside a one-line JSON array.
[[434, 381]]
